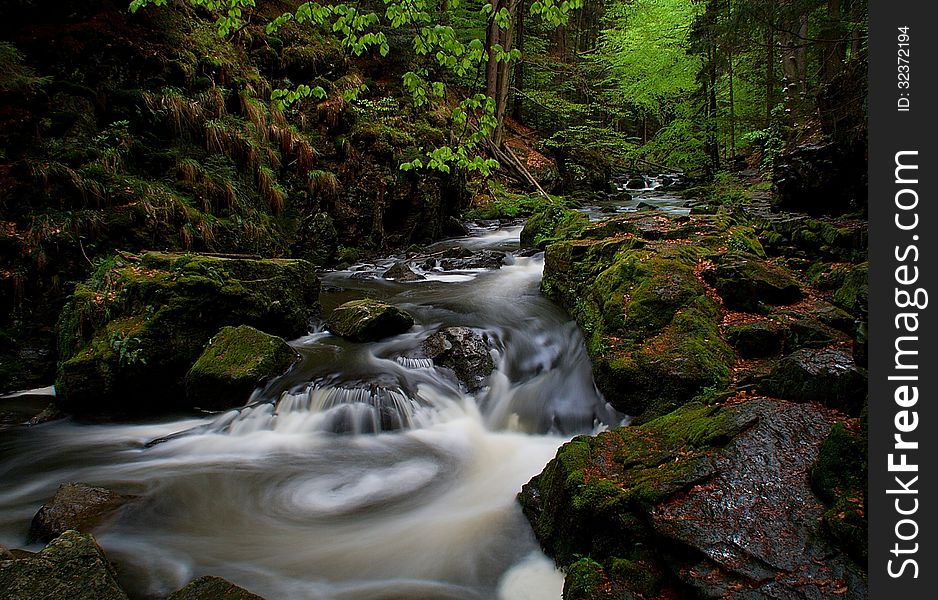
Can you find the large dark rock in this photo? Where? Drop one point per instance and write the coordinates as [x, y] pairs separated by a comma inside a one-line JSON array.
[[75, 506], [71, 567], [757, 340], [212, 588], [705, 502], [130, 333], [486, 259], [745, 282], [827, 375], [822, 179], [233, 364], [465, 352], [368, 320]]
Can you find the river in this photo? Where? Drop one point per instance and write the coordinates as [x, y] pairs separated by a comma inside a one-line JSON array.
[[305, 494]]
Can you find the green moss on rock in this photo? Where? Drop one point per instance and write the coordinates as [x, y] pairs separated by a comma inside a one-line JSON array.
[[368, 320], [236, 361], [651, 330], [747, 283], [129, 334], [839, 477], [70, 567], [550, 225]]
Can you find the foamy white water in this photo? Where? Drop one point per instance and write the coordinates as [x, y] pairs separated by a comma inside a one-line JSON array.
[[366, 473]]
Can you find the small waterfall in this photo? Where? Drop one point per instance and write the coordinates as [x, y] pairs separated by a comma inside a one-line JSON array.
[[367, 471]]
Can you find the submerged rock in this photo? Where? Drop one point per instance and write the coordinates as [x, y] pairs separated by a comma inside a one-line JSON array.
[[465, 352], [75, 506], [212, 588], [368, 320], [129, 334], [71, 567], [234, 362], [712, 502]]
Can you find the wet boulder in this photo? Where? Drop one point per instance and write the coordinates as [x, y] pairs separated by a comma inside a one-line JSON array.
[[465, 352], [810, 333], [827, 178], [129, 334], [368, 320], [651, 330], [70, 567], [746, 283], [212, 588], [707, 501], [757, 340], [827, 375], [233, 364], [401, 271], [550, 225], [485, 259], [75, 506]]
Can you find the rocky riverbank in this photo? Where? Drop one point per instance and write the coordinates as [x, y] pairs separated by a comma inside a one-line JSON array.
[[737, 341]]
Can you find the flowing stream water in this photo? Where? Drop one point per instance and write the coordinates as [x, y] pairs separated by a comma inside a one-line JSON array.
[[365, 472]]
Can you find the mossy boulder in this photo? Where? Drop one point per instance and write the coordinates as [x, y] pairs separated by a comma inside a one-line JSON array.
[[758, 339], [828, 375], [666, 508], [75, 506], [129, 334], [747, 283], [233, 364], [839, 476], [368, 320], [650, 327], [71, 567], [212, 588], [550, 225]]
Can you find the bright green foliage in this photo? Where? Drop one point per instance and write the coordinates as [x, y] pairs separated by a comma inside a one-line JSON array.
[[643, 54], [437, 47]]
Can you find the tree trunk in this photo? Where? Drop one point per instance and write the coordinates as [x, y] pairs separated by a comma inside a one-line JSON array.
[[769, 74], [516, 108]]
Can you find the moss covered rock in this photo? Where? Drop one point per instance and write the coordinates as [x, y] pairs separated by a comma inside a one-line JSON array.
[[667, 507], [839, 476], [129, 334], [828, 375], [368, 320], [651, 329], [212, 588], [551, 224], [236, 361], [758, 339], [747, 283], [71, 567]]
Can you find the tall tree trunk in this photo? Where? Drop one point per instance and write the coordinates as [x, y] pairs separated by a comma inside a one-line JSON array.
[[492, 38], [516, 109], [732, 150], [713, 131], [769, 74]]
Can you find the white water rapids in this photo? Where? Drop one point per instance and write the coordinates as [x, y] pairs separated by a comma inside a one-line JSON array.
[[363, 473]]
